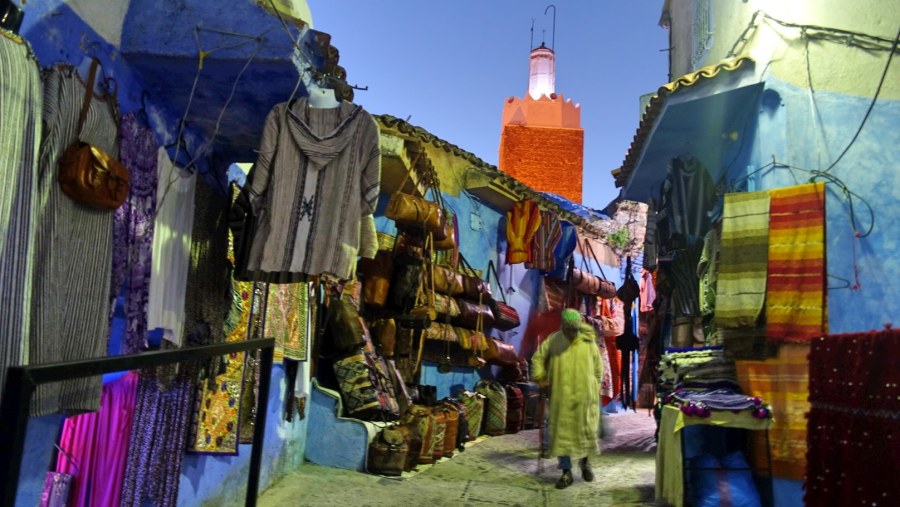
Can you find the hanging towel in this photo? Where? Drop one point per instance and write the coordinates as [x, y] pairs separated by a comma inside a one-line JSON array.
[[795, 296], [741, 286], [522, 221]]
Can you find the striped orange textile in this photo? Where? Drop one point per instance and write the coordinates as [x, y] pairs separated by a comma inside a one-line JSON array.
[[795, 290], [783, 383]]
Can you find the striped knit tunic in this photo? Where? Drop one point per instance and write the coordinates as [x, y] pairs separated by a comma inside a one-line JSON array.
[[20, 137], [316, 176], [73, 255]]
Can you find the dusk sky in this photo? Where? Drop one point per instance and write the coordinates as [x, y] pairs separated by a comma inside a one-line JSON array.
[[450, 65]]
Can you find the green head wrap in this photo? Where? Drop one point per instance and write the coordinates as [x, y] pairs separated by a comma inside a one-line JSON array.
[[571, 318]]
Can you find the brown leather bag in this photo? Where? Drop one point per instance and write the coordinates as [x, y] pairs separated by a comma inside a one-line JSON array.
[[376, 277], [470, 313], [388, 453], [500, 353], [423, 419], [410, 433], [87, 174], [385, 333], [415, 212], [447, 281], [473, 286], [451, 415]]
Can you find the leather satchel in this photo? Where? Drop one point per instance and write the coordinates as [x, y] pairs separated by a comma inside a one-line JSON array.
[[473, 286], [410, 211], [505, 316], [447, 281], [344, 327], [376, 277], [588, 283], [87, 174], [388, 453], [500, 353], [470, 313], [385, 333]]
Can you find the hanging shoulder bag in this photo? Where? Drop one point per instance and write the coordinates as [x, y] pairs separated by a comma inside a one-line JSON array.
[[505, 316], [87, 174], [588, 283]]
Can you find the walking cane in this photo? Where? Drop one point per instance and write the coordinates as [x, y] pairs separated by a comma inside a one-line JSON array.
[[540, 415]]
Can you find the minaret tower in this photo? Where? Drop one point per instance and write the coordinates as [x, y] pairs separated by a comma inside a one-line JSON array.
[[542, 142]]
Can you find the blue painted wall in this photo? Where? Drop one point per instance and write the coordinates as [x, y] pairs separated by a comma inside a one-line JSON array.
[[786, 129]]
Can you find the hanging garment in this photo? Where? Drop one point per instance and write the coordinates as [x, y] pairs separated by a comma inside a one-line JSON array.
[[648, 291], [543, 244], [574, 370], [317, 175], [73, 253], [20, 139], [651, 245], [98, 442], [158, 436], [708, 271], [795, 291], [692, 196], [563, 250], [171, 249], [522, 222], [287, 320], [133, 229], [741, 285]]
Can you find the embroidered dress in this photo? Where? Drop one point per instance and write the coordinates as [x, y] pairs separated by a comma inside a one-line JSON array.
[[133, 230], [20, 137], [316, 176], [73, 254], [543, 244]]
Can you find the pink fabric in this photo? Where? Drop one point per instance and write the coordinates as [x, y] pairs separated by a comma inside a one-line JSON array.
[[648, 291], [98, 443]]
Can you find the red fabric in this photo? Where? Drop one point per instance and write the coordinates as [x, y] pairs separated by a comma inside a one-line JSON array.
[[98, 442], [615, 365], [853, 437], [522, 222]]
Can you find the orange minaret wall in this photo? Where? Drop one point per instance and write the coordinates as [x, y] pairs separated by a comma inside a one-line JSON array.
[[542, 142]]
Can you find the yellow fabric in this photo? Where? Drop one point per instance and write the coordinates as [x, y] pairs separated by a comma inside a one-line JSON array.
[[669, 470], [574, 370], [522, 222]]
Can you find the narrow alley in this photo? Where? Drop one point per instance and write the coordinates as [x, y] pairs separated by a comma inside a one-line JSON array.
[[492, 471]]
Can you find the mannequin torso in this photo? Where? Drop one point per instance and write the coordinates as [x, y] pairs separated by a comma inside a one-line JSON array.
[[322, 98]]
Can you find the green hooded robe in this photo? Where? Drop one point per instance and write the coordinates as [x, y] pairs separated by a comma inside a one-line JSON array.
[[574, 371]]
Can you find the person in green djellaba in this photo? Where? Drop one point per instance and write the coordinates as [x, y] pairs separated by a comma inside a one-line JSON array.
[[568, 362]]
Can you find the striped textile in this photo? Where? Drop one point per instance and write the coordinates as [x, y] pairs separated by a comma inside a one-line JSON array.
[[741, 285], [317, 174], [783, 382], [287, 320], [522, 222], [494, 407], [795, 297], [20, 137], [543, 244], [73, 253]]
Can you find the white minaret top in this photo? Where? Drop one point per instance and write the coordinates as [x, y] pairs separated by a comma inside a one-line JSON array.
[[542, 72]]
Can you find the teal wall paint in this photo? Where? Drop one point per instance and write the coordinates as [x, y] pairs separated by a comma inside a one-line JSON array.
[[788, 130]]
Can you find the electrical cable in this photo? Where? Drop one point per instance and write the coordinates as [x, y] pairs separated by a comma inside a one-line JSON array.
[[887, 65]]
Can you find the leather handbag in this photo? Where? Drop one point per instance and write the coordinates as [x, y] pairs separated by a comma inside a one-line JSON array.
[[440, 432], [494, 407], [451, 234], [505, 316], [376, 277], [410, 211], [423, 419], [385, 333], [440, 331], [362, 391], [58, 485], [473, 286], [410, 433], [471, 313], [500, 353], [447, 281], [87, 174], [344, 327], [405, 282], [474, 404], [451, 431], [586, 282], [388, 453]]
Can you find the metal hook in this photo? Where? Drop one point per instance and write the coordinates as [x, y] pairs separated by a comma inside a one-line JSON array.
[[553, 36], [845, 285]]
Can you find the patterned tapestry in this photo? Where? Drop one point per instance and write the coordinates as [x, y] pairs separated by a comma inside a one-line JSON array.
[[784, 383], [218, 404], [854, 445], [287, 320]]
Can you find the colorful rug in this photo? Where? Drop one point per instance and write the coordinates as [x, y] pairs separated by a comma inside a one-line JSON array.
[[795, 296], [854, 445], [783, 382], [741, 284], [287, 320], [215, 421]]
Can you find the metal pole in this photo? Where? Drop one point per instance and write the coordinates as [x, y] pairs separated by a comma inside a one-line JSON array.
[[13, 425], [259, 427]]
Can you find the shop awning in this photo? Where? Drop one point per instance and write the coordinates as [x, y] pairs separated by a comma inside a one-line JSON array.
[[706, 114]]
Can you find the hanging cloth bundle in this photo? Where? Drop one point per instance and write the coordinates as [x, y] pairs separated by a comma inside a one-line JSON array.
[[628, 342]]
